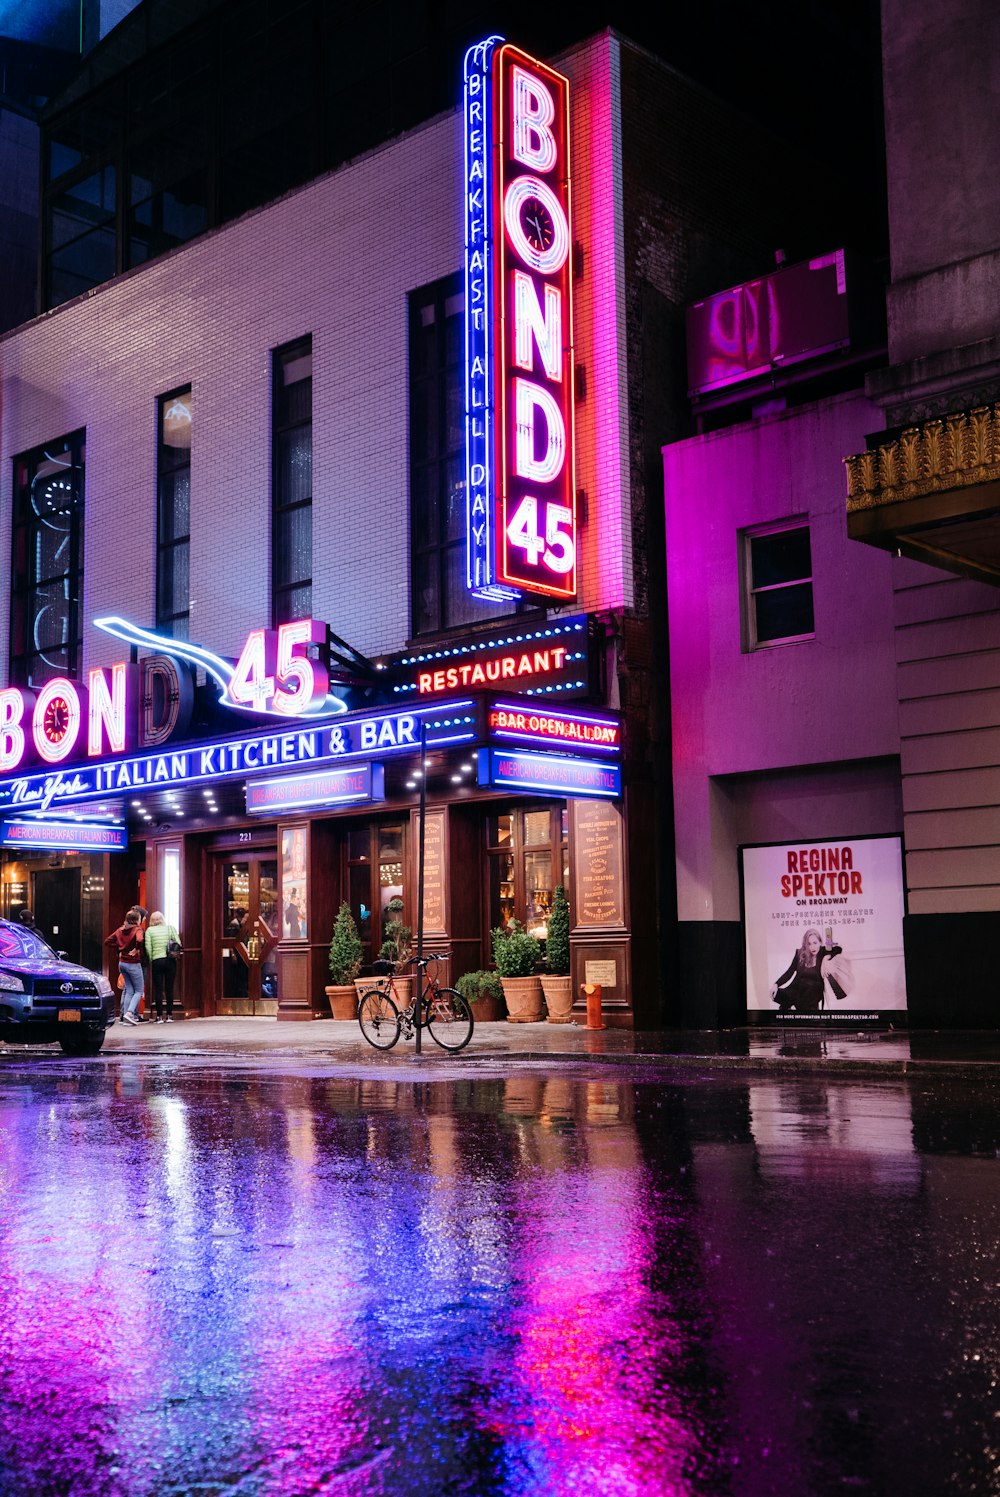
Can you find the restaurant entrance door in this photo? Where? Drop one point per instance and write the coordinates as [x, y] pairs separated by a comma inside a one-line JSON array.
[[249, 929]]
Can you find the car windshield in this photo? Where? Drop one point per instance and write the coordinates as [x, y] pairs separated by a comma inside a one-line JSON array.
[[18, 944]]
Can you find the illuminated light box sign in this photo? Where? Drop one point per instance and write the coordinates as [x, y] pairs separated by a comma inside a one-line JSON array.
[[331, 787], [823, 926], [554, 659], [379, 734], [547, 774], [550, 727], [521, 521], [72, 835]]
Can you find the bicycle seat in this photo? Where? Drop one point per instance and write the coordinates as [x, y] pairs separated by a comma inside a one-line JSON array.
[[383, 968]]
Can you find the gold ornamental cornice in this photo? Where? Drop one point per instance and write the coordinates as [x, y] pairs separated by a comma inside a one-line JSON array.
[[943, 454]]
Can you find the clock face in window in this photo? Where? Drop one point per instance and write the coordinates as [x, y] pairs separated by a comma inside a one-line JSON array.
[[536, 224], [56, 722]]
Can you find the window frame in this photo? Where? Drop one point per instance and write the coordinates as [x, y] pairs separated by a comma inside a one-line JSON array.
[[751, 642], [435, 388], [280, 427], [24, 587], [168, 621]]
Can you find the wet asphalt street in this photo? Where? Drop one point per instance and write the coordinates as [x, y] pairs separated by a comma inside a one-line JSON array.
[[262, 1277]]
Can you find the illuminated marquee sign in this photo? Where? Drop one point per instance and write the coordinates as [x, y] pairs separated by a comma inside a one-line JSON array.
[[275, 674], [548, 727], [73, 835], [331, 787], [553, 659], [543, 774], [122, 705], [380, 733], [521, 487]]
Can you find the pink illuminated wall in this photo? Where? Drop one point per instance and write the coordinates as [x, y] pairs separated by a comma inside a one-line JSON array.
[[783, 739]]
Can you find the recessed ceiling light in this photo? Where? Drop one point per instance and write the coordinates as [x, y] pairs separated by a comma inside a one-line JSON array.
[[411, 784], [137, 803]]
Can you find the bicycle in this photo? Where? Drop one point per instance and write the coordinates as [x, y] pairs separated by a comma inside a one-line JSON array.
[[443, 1012]]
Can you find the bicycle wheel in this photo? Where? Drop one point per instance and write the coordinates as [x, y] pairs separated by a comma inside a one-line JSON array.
[[379, 1019], [449, 1019]]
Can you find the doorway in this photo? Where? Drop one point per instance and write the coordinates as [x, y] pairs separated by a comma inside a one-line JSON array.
[[249, 926], [57, 908]]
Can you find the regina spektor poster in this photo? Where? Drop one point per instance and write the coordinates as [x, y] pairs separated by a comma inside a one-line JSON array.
[[824, 928]]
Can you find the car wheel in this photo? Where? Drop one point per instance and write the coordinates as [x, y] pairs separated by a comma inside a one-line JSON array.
[[82, 1044]]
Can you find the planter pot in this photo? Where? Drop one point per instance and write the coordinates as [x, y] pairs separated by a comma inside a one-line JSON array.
[[523, 996], [558, 998], [488, 1009], [403, 988], [343, 1002]]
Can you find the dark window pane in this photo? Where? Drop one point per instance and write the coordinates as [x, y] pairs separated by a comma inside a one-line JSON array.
[[175, 505], [783, 556], [293, 545], [84, 263], [172, 585], [426, 599], [455, 500], [293, 465], [784, 613], [293, 603]]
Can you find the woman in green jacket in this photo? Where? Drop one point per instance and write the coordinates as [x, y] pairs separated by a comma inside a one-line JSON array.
[[162, 964]]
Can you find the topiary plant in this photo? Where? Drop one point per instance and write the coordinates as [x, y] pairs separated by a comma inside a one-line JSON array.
[[476, 985], [557, 939], [345, 949], [398, 943], [515, 952]]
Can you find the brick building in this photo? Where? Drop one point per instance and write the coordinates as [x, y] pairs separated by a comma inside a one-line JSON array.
[[243, 407]]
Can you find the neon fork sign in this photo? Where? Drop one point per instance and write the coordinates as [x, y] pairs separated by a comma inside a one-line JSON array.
[[521, 495]]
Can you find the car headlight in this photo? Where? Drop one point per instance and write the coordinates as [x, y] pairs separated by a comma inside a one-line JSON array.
[[103, 986], [9, 983]]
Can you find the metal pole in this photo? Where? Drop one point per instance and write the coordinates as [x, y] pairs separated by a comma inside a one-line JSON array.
[[420, 877]]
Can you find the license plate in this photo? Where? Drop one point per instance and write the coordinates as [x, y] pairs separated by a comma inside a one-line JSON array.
[[69, 1016]]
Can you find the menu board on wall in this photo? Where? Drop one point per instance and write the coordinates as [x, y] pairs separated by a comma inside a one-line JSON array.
[[434, 872], [824, 928], [597, 861]]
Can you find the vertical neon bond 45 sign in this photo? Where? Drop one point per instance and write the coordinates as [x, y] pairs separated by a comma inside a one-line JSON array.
[[521, 486]]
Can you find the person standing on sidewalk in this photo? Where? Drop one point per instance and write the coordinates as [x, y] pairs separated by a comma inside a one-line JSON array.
[[162, 963], [128, 941]]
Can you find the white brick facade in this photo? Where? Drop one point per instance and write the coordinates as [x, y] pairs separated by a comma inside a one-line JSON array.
[[335, 259]]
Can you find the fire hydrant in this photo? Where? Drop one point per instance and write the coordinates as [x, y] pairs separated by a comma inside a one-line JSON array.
[[592, 992]]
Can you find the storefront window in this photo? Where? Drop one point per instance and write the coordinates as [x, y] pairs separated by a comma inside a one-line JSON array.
[[375, 862], [526, 848]]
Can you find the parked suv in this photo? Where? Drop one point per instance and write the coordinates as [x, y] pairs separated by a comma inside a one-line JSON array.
[[46, 1000]]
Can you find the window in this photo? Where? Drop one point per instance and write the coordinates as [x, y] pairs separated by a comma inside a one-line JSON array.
[[777, 575], [441, 599], [528, 855], [47, 561], [291, 483], [173, 513]]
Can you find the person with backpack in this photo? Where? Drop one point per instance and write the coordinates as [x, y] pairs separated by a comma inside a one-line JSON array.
[[128, 942], [162, 943]]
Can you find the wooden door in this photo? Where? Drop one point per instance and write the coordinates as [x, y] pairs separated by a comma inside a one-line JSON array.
[[249, 926]]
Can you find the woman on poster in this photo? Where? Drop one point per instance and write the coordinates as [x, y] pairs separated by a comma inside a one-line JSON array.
[[800, 987]]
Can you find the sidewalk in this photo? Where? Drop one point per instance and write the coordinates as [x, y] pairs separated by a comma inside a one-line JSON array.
[[900, 1052]]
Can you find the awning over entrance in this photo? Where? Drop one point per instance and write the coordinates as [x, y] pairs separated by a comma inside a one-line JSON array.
[[932, 492]]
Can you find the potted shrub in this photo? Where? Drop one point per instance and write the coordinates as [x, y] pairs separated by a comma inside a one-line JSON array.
[[397, 948], [557, 985], [485, 992], [345, 964], [517, 956]]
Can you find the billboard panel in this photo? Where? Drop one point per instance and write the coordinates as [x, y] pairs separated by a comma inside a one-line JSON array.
[[823, 924]]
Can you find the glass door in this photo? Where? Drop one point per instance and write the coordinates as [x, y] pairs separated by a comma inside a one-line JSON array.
[[250, 929]]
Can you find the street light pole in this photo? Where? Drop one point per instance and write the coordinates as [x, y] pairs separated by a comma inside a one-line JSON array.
[[420, 879]]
